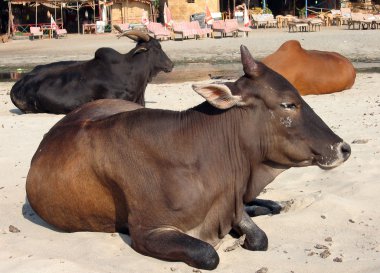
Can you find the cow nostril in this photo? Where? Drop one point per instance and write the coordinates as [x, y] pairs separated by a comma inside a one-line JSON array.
[[346, 150]]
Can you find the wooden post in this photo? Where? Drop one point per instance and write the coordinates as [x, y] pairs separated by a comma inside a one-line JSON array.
[[62, 14], [36, 12], [10, 19], [78, 17]]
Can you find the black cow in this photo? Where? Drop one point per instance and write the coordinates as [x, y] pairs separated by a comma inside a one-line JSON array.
[[178, 181], [63, 86]]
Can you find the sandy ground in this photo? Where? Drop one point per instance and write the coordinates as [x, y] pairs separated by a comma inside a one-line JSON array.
[[337, 209]]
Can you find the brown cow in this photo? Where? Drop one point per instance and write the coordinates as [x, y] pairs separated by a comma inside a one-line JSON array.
[[312, 71], [198, 167]]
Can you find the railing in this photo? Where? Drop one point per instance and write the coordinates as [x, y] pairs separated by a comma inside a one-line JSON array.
[[25, 28]]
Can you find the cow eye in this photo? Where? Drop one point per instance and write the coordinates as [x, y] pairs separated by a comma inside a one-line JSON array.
[[288, 106]]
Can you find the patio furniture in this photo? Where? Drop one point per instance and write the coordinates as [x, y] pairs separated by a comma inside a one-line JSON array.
[[369, 21], [336, 17], [89, 28], [259, 21], [233, 24], [280, 21], [122, 27], [364, 21], [185, 30], [36, 32], [315, 23], [299, 25], [159, 31], [346, 15], [201, 32], [220, 26], [60, 32], [265, 20]]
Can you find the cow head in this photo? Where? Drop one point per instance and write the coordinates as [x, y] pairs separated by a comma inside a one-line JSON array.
[[278, 125], [149, 46]]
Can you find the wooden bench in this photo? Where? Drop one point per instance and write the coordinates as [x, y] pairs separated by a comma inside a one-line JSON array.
[[36, 32]]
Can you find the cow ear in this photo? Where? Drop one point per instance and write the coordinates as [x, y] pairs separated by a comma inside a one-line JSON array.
[[218, 95], [250, 66], [139, 50]]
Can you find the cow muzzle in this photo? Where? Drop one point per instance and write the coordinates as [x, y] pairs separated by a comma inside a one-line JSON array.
[[338, 154]]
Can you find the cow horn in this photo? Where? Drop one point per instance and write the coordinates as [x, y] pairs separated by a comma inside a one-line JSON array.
[[135, 35], [250, 66]]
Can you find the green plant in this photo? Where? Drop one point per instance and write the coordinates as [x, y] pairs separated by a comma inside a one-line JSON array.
[[156, 3], [302, 12]]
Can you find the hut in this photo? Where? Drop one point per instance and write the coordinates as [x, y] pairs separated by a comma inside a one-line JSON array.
[[69, 14], [131, 11], [182, 9]]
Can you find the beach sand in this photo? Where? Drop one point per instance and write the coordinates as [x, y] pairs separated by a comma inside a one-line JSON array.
[[331, 212]]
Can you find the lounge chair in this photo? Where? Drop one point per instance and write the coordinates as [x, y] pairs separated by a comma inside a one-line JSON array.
[[299, 25], [201, 32], [36, 32], [185, 30], [364, 21], [346, 15], [315, 23], [369, 21], [220, 26], [122, 27], [159, 31], [233, 24], [60, 32], [259, 21]]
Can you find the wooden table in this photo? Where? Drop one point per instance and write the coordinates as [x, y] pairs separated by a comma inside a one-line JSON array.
[[49, 31]]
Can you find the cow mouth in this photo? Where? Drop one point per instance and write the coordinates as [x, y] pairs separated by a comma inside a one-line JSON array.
[[341, 152]]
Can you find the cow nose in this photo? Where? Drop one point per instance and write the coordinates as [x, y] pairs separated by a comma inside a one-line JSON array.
[[345, 149]]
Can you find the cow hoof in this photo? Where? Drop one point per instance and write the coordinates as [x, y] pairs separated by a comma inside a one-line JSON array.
[[256, 241], [205, 258], [262, 207]]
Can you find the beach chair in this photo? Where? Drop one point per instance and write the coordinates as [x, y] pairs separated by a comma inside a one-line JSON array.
[[201, 32], [185, 30], [356, 18], [315, 23], [36, 32], [221, 27], [369, 21], [159, 31], [299, 25], [259, 20], [346, 15], [122, 27], [233, 24]]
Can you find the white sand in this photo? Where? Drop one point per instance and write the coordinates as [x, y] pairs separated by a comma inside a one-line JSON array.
[[342, 203]]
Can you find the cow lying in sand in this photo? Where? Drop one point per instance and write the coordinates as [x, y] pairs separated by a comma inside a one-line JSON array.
[[61, 87], [312, 71], [178, 181]]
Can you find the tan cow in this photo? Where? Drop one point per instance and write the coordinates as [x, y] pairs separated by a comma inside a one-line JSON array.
[[312, 71]]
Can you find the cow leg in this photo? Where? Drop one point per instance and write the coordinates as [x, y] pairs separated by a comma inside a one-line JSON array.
[[173, 245], [262, 207], [255, 237]]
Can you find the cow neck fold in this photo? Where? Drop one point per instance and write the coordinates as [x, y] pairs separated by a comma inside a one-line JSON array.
[[221, 132]]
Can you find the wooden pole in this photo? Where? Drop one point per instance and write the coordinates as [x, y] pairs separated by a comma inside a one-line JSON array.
[[78, 16], [127, 10], [36, 13], [10, 19], [93, 10], [62, 14]]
